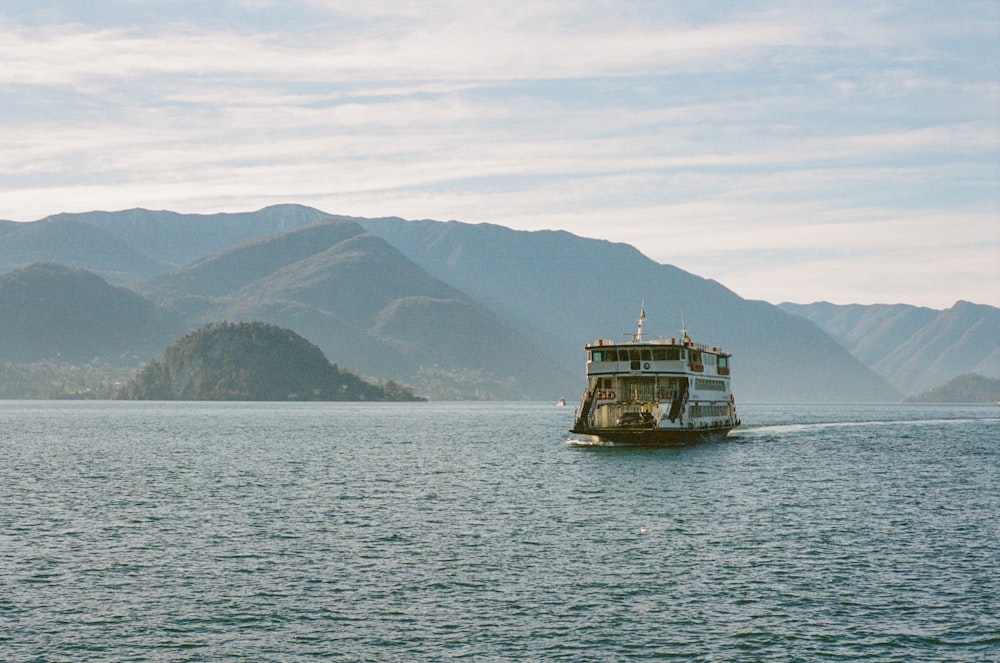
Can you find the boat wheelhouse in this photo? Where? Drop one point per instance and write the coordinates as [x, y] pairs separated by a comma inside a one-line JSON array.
[[656, 392]]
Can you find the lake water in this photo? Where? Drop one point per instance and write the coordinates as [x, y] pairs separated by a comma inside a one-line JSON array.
[[447, 531]]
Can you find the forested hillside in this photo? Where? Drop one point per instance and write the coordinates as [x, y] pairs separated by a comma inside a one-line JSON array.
[[251, 362], [59, 314]]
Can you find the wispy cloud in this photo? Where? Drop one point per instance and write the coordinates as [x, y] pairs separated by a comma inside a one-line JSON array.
[[728, 140]]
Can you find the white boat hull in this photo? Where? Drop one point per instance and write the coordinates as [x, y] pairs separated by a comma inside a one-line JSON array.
[[655, 437]]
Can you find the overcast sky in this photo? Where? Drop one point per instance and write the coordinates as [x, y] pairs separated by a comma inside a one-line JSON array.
[[793, 151]]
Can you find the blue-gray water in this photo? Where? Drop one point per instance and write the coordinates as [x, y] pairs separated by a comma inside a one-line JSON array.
[[442, 531]]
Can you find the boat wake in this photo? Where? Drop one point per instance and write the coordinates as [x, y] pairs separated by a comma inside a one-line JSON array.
[[575, 442], [791, 429]]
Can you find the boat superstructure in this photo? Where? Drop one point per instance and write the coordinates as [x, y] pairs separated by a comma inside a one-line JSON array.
[[656, 392]]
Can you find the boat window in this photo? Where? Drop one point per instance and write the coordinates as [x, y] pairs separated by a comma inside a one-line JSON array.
[[709, 384], [673, 354], [695, 357], [709, 359], [723, 362], [710, 410], [647, 354], [660, 354]]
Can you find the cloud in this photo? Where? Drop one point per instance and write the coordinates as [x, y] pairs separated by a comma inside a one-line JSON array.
[[729, 140], [418, 41]]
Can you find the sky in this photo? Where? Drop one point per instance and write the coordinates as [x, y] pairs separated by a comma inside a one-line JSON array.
[[822, 151]]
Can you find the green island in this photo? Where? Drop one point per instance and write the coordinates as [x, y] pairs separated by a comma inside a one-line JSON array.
[[252, 361]]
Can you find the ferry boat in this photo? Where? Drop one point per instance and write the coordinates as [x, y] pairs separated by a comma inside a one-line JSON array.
[[656, 392]]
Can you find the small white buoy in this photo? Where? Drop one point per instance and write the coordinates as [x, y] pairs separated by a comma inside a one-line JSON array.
[[643, 530]]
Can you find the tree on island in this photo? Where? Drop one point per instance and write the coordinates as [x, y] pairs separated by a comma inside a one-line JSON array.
[[252, 361]]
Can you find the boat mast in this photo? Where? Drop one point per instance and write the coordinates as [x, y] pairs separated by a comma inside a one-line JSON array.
[[637, 336]]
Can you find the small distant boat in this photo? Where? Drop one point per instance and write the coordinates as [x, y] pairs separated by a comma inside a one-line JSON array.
[[658, 392], [561, 403]]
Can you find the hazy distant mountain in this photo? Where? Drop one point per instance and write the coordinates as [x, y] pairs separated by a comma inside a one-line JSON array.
[[368, 307], [74, 244], [915, 349], [244, 263], [869, 332], [176, 239], [563, 291], [56, 313]]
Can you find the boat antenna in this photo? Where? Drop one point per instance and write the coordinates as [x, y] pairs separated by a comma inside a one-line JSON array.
[[684, 331], [637, 337]]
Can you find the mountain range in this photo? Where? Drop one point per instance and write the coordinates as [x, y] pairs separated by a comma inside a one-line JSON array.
[[455, 310], [916, 349]]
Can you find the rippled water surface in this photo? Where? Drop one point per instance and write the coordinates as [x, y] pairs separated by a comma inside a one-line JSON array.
[[442, 531]]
